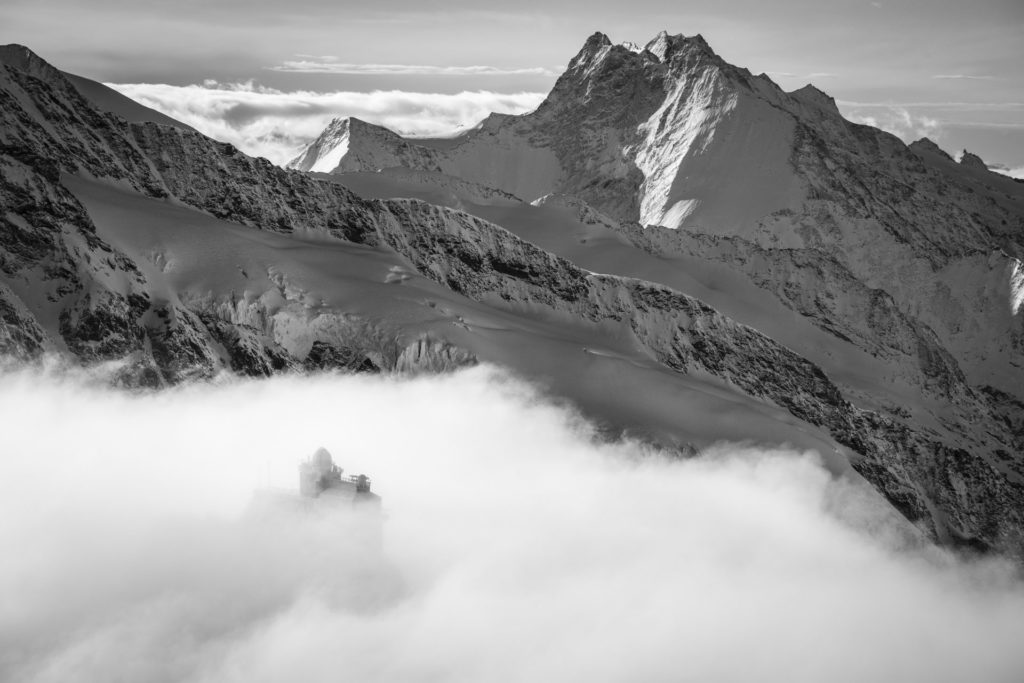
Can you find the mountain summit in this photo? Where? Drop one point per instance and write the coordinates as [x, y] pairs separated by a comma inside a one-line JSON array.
[[671, 135], [898, 252], [644, 134], [681, 248]]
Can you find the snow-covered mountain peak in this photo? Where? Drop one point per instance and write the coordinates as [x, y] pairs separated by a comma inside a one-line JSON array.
[[664, 48], [665, 45], [892, 278], [327, 151]]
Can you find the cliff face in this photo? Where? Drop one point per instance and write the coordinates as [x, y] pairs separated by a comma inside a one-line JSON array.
[[767, 181], [99, 215], [900, 252]]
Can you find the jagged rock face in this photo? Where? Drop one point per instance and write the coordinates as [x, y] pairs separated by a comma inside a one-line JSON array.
[[349, 144], [918, 472], [632, 131], [899, 250], [671, 135], [99, 305], [64, 289], [973, 161], [433, 355]]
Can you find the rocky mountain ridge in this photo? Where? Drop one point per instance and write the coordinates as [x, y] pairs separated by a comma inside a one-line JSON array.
[[66, 287], [671, 135]]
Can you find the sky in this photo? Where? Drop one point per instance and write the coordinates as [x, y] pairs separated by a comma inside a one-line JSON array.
[[944, 68], [157, 537]]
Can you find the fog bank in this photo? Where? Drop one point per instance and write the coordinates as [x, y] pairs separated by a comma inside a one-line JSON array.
[[278, 125], [516, 547]]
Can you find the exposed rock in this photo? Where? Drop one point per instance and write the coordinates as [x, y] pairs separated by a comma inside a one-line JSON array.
[[21, 337], [433, 356], [927, 146], [973, 161], [883, 235]]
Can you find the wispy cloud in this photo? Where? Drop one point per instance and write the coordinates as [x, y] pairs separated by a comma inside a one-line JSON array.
[[808, 76], [911, 120], [1006, 125], [964, 77], [275, 124], [330, 65], [979, 106], [1013, 172], [899, 121]]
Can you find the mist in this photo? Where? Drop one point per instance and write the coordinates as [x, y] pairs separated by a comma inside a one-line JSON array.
[[278, 125], [147, 537]]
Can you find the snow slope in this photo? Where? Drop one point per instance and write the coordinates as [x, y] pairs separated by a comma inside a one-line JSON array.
[[649, 135], [153, 244], [293, 287], [777, 186], [879, 375]]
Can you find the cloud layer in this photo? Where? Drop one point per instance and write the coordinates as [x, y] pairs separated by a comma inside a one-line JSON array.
[[277, 125], [1008, 170], [896, 119], [331, 65], [516, 547]]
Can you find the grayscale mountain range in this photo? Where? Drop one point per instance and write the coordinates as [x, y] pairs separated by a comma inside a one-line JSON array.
[[679, 248]]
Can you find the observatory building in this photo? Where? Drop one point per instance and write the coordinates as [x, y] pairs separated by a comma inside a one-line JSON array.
[[319, 477]]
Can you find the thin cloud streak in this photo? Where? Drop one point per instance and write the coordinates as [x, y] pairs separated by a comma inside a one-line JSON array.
[[329, 66], [899, 121], [813, 74], [1008, 171], [997, 125], [965, 77], [980, 106]]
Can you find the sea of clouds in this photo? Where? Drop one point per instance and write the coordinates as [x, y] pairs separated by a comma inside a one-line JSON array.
[[148, 537], [277, 125]]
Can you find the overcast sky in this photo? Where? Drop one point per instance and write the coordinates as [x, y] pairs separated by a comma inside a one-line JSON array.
[[947, 68]]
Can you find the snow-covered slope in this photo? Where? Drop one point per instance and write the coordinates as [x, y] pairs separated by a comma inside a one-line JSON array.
[[646, 135], [774, 184], [154, 243], [498, 156]]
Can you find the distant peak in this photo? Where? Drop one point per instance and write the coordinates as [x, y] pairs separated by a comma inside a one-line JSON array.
[[660, 49], [661, 44], [972, 161], [810, 94], [597, 40], [928, 145], [14, 53], [344, 123], [596, 46], [24, 59], [666, 44]]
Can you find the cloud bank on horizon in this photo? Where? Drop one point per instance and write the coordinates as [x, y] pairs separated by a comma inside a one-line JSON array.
[[331, 65], [876, 52], [133, 550], [277, 125]]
